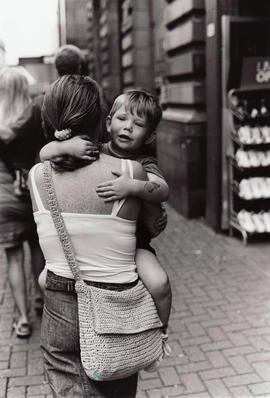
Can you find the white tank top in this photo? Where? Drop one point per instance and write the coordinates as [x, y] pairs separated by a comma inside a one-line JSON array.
[[104, 245]]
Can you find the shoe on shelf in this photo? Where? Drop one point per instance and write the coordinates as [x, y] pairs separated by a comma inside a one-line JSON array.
[[256, 135], [264, 188], [265, 130], [244, 134], [265, 133], [245, 191], [267, 155], [266, 219], [242, 158], [262, 158], [258, 222], [268, 138], [256, 187], [22, 328], [267, 183], [254, 159], [245, 221]]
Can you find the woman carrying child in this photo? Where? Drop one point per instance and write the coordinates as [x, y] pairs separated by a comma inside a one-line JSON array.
[[132, 124], [102, 233]]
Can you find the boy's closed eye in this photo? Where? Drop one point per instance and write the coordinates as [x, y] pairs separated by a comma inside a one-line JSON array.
[[121, 117]]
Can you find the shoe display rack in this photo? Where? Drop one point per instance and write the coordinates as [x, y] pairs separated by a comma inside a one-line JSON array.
[[249, 162]]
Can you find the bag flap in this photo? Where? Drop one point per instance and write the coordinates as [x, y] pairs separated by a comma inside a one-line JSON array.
[[125, 312]]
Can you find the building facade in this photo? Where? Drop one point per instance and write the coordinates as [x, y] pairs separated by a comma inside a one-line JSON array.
[[173, 48], [160, 46]]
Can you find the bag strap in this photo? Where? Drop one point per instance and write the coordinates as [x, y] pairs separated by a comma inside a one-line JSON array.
[[59, 221]]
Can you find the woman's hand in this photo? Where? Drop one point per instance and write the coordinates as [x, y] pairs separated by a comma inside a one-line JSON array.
[[117, 189]]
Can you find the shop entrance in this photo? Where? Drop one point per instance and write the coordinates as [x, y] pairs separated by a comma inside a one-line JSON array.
[[232, 46]]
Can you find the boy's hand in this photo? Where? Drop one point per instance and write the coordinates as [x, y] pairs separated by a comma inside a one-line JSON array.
[[116, 189], [81, 147]]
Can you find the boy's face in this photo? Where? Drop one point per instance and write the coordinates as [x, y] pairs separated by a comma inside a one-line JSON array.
[[128, 132]]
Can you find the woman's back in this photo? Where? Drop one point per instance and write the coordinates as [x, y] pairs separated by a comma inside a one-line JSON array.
[[76, 190], [103, 234]]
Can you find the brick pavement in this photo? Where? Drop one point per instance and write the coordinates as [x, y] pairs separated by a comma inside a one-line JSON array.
[[219, 328]]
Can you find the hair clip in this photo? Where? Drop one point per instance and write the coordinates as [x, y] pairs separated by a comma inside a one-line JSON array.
[[63, 134]]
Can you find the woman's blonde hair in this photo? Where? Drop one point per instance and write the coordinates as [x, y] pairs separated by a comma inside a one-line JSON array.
[[14, 94]]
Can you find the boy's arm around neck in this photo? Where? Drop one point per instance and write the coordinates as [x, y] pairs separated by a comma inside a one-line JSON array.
[[52, 151], [79, 146]]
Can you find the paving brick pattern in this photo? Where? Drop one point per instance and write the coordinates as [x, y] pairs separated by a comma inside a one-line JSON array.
[[219, 327]]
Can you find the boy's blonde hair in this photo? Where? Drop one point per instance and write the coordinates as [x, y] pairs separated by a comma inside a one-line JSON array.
[[14, 94], [142, 103]]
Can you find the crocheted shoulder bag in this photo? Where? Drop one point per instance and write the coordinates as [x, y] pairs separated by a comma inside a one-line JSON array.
[[119, 330]]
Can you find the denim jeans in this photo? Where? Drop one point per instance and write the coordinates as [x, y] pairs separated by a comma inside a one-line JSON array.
[[61, 348]]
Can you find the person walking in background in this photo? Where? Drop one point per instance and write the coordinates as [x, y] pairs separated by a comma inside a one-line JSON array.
[[16, 219], [102, 234], [24, 130], [68, 60]]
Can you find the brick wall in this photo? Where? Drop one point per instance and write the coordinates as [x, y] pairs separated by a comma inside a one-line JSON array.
[[181, 137], [159, 45], [136, 44], [76, 23], [104, 45]]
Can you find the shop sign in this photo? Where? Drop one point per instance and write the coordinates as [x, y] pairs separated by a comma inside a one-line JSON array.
[[256, 72]]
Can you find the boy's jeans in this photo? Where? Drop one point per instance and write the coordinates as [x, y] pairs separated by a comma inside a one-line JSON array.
[[61, 349]]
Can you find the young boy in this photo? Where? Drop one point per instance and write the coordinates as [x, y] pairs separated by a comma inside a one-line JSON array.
[[131, 123]]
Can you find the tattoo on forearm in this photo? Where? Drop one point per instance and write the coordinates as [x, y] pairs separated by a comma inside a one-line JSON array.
[[151, 186]]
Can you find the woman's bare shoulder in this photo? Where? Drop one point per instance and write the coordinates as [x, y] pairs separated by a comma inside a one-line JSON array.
[[103, 165], [36, 173], [110, 161]]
